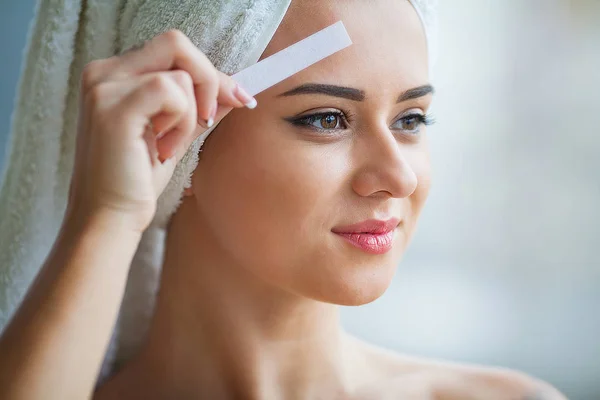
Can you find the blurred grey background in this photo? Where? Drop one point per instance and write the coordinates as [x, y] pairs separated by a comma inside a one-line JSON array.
[[504, 268]]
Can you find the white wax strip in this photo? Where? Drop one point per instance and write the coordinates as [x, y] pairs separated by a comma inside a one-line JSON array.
[[293, 59], [287, 62]]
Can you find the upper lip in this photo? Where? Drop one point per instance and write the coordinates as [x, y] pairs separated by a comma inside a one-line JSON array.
[[373, 226]]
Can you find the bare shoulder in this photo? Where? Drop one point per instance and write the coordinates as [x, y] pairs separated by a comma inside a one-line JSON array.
[[443, 380], [481, 382]]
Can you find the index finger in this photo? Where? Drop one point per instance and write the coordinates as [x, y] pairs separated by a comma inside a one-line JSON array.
[[173, 50]]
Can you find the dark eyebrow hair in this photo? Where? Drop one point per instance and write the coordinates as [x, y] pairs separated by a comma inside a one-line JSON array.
[[329, 90], [415, 93], [352, 93]]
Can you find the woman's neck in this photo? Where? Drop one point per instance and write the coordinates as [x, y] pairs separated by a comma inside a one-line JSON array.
[[220, 331]]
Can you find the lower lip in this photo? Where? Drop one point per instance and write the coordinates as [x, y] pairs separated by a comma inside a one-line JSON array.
[[373, 243]]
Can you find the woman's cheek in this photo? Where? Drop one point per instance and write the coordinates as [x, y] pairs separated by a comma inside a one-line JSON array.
[[299, 190], [423, 172], [422, 168]]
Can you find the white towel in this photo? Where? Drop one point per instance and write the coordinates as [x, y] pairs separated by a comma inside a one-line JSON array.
[[66, 35]]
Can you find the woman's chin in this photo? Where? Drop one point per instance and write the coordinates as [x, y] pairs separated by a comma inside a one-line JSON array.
[[351, 288]]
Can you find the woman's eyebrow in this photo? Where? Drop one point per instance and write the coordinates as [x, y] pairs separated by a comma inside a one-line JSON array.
[[329, 90], [415, 93], [353, 93]]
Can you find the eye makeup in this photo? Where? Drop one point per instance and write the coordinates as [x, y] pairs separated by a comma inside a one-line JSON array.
[[416, 120], [328, 121], [340, 120]]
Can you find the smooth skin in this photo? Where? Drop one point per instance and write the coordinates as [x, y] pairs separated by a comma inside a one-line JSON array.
[[253, 273]]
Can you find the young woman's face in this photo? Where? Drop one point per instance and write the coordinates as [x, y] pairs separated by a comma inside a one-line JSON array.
[[274, 183]]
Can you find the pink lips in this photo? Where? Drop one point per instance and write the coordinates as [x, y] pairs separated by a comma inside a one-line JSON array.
[[372, 236]]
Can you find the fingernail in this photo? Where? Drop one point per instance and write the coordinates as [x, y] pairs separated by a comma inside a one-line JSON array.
[[245, 98], [213, 112], [170, 160]]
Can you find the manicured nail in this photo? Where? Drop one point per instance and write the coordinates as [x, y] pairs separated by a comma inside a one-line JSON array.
[[213, 113], [244, 97], [170, 160]]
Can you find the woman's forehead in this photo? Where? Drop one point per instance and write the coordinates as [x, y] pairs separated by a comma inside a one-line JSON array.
[[388, 41], [383, 20]]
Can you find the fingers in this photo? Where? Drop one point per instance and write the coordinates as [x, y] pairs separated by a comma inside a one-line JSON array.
[[173, 50], [170, 82], [163, 98], [158, 95], [232, 94], [175, 132], [166, 99], [176, 135], [170, 50]]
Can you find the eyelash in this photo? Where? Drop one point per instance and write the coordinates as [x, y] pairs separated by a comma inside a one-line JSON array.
[[347, 118]]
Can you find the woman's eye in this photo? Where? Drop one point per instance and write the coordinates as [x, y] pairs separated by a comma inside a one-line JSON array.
[[322, 121], [331, 120], [411, 123]]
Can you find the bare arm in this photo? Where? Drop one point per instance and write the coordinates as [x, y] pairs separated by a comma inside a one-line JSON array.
[[54, 346]]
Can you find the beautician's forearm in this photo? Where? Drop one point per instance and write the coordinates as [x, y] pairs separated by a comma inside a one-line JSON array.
[[54, 346]]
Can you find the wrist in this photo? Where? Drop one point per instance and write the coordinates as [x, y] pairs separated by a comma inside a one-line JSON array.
[[115, 222]]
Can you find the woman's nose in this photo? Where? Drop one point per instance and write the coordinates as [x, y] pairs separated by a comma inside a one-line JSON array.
[[384, 167]]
